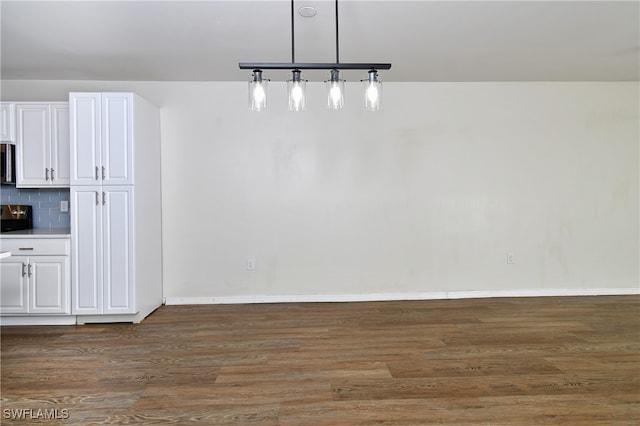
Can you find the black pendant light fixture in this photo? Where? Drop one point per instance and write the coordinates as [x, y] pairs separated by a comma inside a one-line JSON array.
[[297, 86]]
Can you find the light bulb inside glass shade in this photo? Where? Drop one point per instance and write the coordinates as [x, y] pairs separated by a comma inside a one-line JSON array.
[[372, 96], [335, 98], [257, 92], [296, 88], [257, 95], [335, 90], [372, 92], [296, 96]]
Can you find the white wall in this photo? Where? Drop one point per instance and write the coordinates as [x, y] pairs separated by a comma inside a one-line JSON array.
[[427, 196]]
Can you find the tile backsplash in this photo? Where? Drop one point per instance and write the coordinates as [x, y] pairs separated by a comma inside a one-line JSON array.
[[45, 202]]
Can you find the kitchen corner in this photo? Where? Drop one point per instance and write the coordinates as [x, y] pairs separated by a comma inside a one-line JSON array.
[[57, 176]]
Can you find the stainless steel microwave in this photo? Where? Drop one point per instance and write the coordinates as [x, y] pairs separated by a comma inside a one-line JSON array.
[[7, 164]]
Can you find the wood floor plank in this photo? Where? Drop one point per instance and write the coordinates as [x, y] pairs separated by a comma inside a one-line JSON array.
[[605, 409], [553, 360]]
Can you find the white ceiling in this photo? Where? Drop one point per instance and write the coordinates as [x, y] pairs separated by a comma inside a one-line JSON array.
[[424, 40]]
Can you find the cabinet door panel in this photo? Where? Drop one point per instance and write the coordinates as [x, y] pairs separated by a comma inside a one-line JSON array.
[[60, 156], [32, 145], [7, 123], [118, 245], [84, 119], [13, 285], [48, 289], [86, 249], [117, 148]]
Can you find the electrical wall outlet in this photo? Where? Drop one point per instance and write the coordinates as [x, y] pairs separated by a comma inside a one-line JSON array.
[[251, 263], [510, 259], [64, 206]]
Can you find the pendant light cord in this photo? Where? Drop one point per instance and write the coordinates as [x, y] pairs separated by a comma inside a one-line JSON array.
[[293, 43], [337, 37]]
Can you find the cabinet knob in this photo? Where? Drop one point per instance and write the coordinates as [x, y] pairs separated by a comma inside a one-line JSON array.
[[46, 174], [52, 174], [97, 177], [24, 269]]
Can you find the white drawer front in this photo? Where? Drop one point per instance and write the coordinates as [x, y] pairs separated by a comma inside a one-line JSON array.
[[36, 247]]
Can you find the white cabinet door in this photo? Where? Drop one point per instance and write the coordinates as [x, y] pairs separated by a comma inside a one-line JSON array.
[[7, 122], [47, 285], [32, 150], [43, 145], [13, 285], [59, 156], [85, 134], [101, 138], [102, 249], [86, 249], [118, 250], [117, 147]]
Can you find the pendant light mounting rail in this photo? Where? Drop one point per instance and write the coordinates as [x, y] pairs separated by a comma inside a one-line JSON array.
[[312, 66]]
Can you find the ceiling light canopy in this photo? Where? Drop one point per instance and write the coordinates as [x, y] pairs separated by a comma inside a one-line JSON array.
[[297, 86]]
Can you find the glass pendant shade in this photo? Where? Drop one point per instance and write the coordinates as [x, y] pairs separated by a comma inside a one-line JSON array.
[[372, 92], [335, 91], [297, 92], [257, 92]]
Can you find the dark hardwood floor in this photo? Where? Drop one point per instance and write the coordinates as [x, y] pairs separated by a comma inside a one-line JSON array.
[[553, 360]]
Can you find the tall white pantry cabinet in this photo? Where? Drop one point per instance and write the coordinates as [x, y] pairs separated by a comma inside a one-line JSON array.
[[116, 246]]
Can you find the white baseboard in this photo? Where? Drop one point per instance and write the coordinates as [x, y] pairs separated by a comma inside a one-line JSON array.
[[376, 297], [38, 320]]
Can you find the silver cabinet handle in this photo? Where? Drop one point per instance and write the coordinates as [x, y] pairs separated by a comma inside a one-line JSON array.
[[97, 198], [52, 174], [25, 248], [46, 174], [97, 177], [102, 172], [30, 265], [104, 198], [24, 269]]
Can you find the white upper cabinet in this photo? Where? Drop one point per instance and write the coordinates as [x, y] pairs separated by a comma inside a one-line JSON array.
[[117, 146], [7, 122], [101, 138], [42, 145], [84, 119], [33, 144], [59, 154]]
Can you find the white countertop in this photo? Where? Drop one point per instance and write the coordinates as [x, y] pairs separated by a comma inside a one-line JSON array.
[[38, 233]]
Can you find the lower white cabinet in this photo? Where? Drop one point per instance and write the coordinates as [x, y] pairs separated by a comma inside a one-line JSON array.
[[38, 283], [102, 235], [14, 288]]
